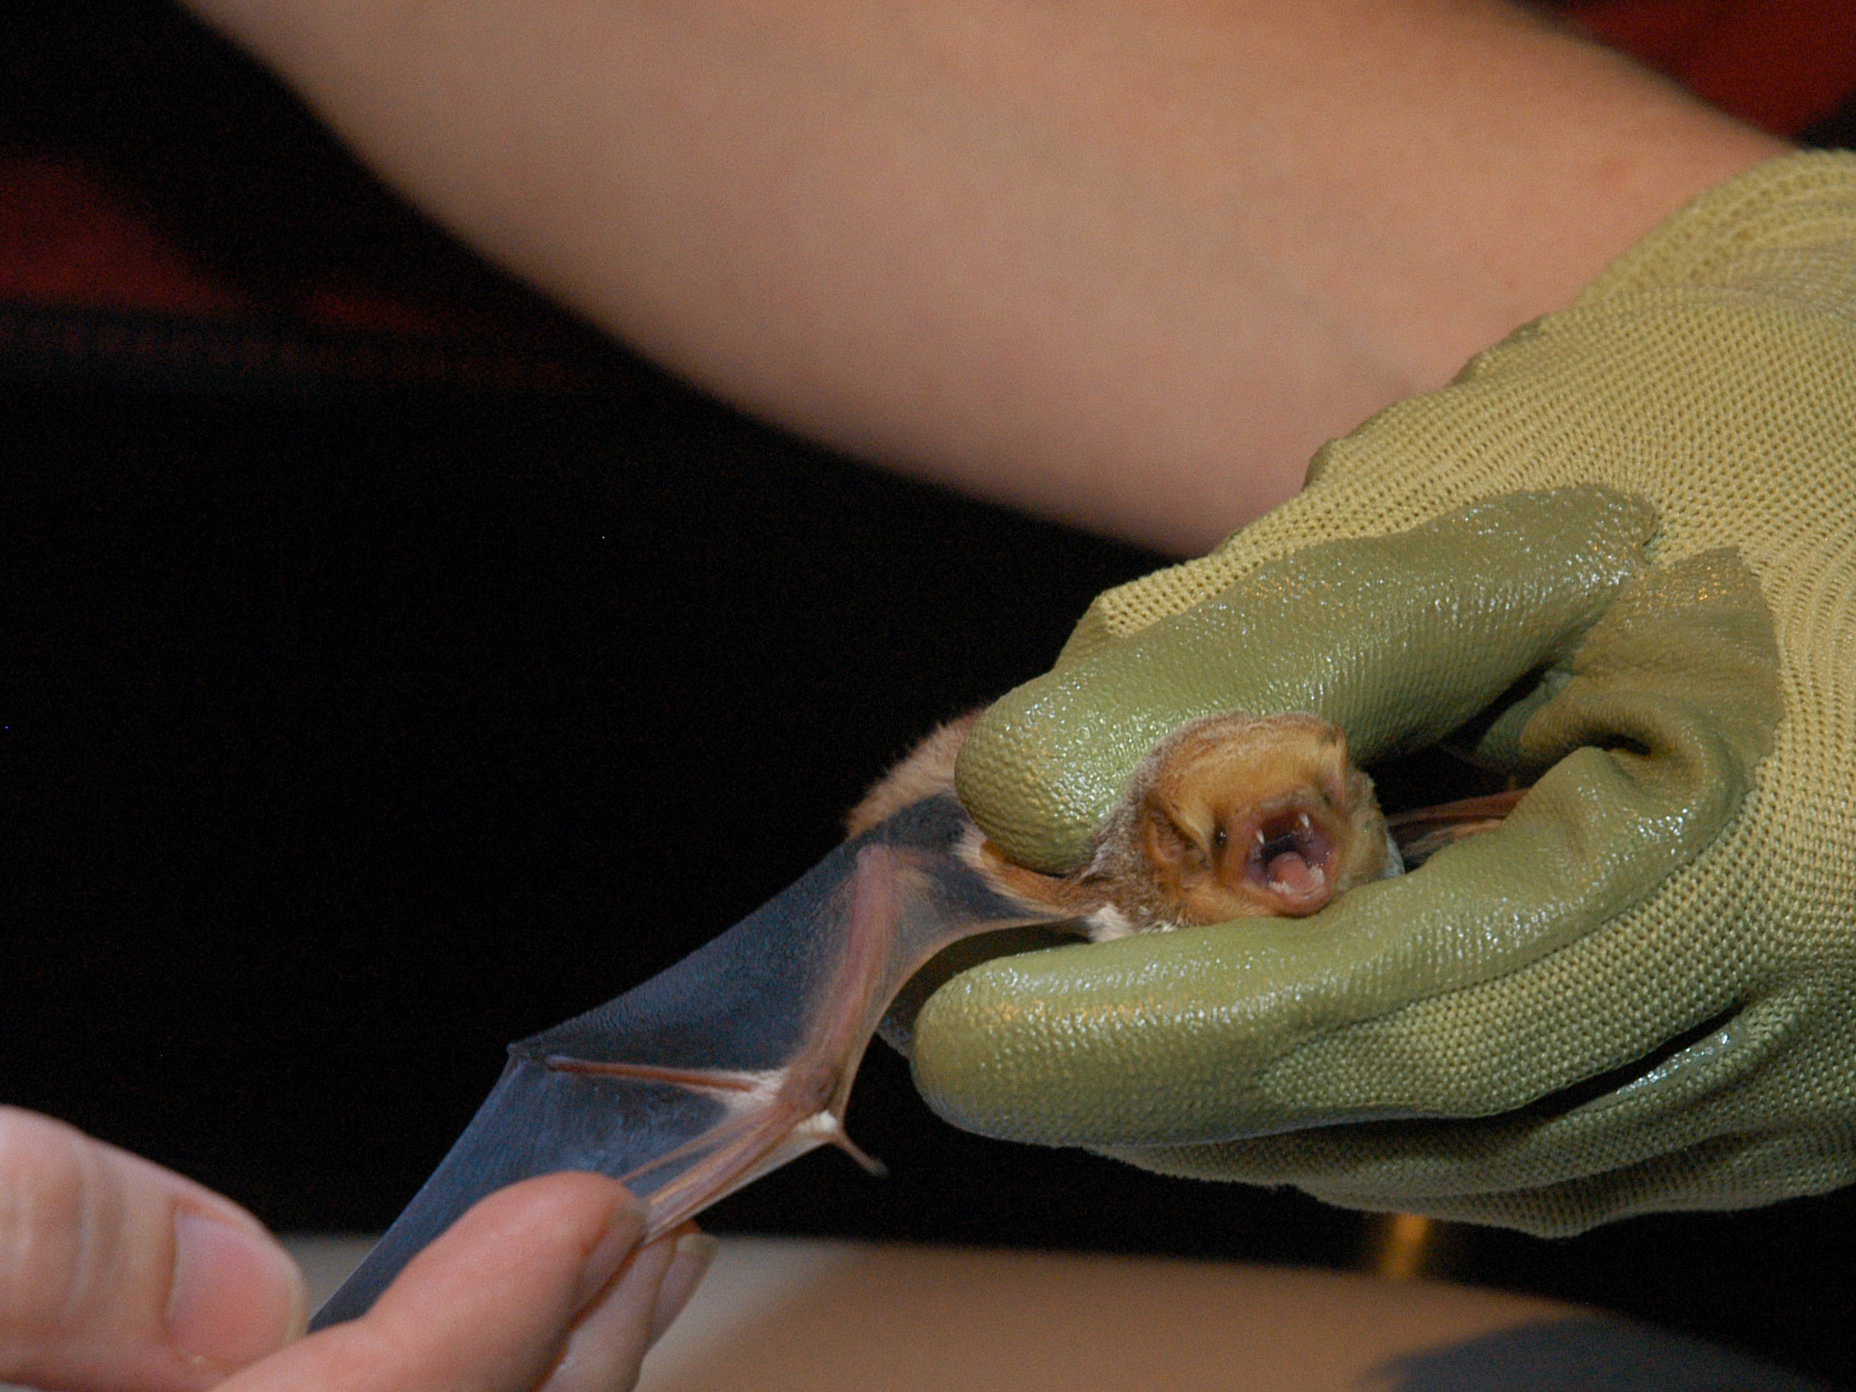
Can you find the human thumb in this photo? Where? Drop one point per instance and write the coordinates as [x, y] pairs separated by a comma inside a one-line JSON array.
[[117, 1274]]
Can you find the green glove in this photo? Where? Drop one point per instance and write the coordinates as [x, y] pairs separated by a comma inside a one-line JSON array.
[[1623, 543]]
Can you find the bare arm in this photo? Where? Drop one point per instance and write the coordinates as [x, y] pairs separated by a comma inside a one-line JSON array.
[[1126, 264]]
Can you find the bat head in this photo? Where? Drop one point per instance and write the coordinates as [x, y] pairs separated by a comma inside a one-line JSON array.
[[1238, 816]]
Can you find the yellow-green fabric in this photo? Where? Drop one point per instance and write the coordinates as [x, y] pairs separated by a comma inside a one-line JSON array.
[[1640, 993]]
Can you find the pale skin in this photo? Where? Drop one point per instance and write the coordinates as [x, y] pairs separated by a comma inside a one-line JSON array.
[[1120, 264], [119, 1276]]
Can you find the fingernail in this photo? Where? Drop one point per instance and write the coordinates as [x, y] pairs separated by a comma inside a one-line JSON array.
[[624, 1227], [236, 1293], [694, 1253]]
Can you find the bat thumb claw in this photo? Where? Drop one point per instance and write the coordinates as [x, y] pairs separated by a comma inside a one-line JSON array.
[[860, 1155]]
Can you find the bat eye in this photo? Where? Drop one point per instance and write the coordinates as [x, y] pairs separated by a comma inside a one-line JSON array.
[[1220, 838]]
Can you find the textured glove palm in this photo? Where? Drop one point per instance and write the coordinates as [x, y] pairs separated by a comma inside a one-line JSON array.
[[1639, 515]]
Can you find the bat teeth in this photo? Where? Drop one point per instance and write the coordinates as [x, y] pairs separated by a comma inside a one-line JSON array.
[[1301, 821]]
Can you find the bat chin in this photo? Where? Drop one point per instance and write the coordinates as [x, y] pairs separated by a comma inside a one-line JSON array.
[[1109, 923]]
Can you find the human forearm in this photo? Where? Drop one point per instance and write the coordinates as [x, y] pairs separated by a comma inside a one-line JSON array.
[[1126, 264]]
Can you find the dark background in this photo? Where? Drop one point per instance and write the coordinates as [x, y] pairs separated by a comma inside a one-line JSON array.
[[350, 729]]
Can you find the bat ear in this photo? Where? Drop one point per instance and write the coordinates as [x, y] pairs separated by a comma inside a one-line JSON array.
[[1334, 781], [1334, 787], [1167, 845]]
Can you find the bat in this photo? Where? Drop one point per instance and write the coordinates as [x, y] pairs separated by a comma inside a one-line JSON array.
[[1230, 816], [740, 1057]]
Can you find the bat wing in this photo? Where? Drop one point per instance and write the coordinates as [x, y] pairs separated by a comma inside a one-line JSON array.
[[1424, 831], [730, 1063]]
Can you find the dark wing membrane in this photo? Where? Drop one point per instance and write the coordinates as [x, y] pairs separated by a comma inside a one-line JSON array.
[[1422, 832], [693, 1082], [536, 1120]]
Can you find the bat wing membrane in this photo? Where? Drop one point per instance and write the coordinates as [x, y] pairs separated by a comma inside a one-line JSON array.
[[726, 1065]]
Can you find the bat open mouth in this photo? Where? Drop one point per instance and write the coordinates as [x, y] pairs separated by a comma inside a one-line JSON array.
[[1291, 860]]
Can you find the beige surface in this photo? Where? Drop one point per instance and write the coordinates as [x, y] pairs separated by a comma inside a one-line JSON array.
[[780, 1315]]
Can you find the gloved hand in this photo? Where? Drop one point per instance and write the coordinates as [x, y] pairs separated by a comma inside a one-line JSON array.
[[1629, 533]]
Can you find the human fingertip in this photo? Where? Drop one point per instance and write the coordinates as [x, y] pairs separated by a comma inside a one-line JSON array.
[[624, 1227], [695, 1251], [236, 1293], [608, 1340]]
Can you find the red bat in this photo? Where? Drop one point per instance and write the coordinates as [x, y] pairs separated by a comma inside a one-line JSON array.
[[740, 1057]]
